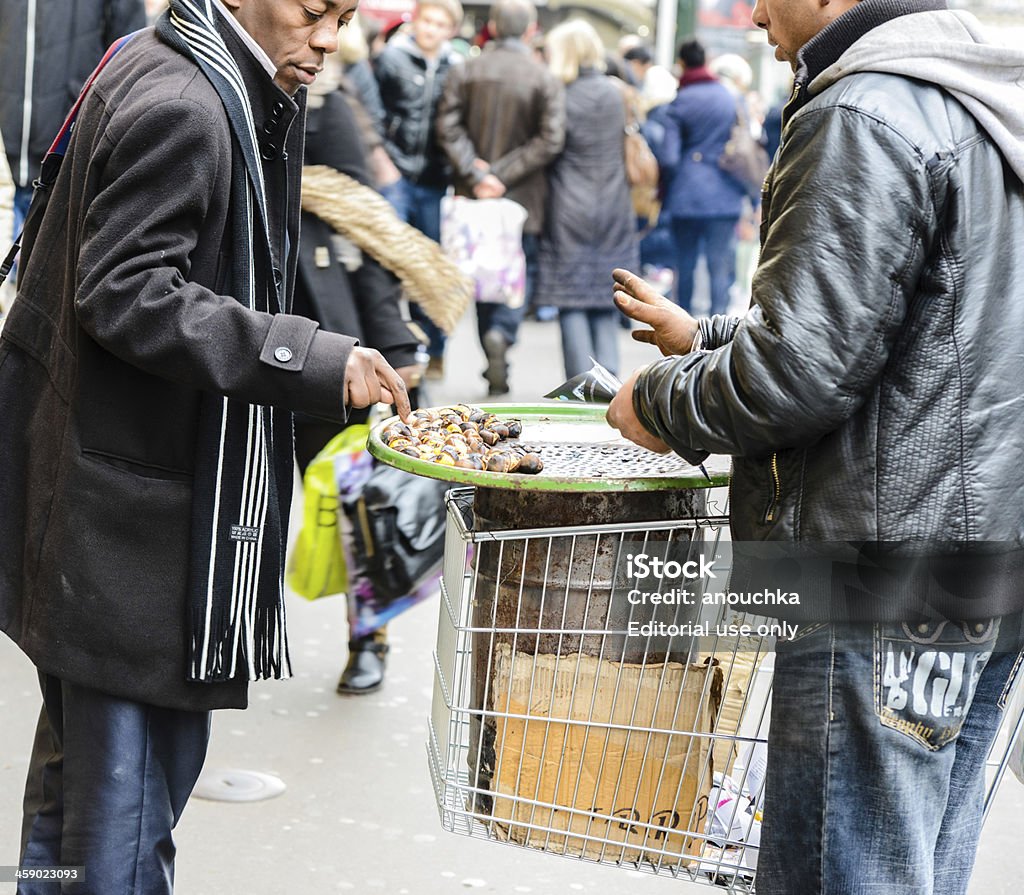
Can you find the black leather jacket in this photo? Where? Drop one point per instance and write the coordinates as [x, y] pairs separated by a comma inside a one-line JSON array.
[[874, 391], [409, 91]]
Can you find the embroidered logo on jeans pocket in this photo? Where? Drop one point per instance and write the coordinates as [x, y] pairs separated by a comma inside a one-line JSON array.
[[925, 677]]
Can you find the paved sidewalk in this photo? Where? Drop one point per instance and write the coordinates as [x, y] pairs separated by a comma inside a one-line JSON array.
[[358, 814]]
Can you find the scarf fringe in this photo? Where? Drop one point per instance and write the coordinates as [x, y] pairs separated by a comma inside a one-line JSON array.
[[271, 661]]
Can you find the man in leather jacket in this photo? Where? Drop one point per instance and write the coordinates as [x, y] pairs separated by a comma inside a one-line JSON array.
[[871, 395]]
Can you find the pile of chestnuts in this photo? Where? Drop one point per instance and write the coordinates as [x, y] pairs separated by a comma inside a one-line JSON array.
[[463, 436]]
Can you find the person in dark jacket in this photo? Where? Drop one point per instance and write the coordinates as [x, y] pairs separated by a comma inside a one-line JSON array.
[[411, 73], [49, 49], [148, 370], [702, 202], [589, 224], [346, 291], [871, 401], [501, 122]]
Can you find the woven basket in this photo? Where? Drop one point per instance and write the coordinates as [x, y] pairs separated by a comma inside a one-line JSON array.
[[362, 215]]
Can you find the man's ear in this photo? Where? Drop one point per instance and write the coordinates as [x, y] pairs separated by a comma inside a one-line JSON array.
[[530, 32]]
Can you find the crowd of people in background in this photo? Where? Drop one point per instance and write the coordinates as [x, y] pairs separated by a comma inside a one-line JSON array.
[[508, 111]]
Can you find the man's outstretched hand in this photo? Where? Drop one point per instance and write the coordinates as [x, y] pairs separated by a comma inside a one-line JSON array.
[[672, 329], [369, 379]]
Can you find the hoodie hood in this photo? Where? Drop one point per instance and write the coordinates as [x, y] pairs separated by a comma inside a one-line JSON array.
[[948, 49]]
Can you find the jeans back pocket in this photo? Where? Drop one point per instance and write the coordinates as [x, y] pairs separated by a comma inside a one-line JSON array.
[[926, 676]]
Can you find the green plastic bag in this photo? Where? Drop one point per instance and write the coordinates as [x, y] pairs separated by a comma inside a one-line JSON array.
[[317, 567]]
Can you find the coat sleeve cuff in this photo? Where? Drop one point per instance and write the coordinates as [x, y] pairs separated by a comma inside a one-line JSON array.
[[287, 343], [654, 406], [325, 374]]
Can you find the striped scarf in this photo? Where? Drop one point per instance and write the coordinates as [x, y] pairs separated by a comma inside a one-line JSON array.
[[242, 482]]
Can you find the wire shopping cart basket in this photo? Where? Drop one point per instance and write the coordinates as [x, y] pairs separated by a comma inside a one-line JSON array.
[[572, 717]]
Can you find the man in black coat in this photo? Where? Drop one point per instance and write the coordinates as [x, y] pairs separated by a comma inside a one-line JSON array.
[[148, 371]]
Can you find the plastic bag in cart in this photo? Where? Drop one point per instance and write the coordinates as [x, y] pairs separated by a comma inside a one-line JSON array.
[[734, 824]]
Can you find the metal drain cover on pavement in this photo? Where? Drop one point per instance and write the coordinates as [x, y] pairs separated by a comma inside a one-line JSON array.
[[229, 785]]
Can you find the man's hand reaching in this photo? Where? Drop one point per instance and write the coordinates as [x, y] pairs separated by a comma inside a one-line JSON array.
[[369, 379], [672, 329]]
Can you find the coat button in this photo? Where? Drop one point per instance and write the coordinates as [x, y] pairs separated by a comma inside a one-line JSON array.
[[697, 157], [283, 354], [269, 152], [278, 276], [279, 108], [270, 126]]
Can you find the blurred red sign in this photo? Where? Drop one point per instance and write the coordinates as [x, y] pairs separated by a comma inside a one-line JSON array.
[[388, 12], [723, 13]]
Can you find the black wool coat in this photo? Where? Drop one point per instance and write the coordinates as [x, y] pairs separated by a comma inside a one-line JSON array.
[[118, 330]]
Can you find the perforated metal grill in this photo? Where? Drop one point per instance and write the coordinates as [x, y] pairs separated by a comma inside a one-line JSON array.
[[618, 460]]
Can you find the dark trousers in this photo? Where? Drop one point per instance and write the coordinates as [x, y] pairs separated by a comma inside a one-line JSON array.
[[107, 783], [715, 238]]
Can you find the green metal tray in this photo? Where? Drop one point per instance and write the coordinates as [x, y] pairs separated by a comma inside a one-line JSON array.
[[581, 453]]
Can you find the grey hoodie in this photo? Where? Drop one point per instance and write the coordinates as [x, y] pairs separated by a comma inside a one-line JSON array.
[[948, 49]]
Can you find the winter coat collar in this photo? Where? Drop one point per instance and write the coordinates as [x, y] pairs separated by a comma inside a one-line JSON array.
[[508, 43], [257, 51], [697, 75], [837, 37]]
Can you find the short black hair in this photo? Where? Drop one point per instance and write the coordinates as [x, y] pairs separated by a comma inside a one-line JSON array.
[[639, 53], [691, 53]]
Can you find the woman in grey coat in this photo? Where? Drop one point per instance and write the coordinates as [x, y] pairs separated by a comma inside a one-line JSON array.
[[589, 226]]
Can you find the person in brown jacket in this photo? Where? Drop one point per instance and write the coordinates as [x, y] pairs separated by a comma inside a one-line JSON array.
[[501, 121]]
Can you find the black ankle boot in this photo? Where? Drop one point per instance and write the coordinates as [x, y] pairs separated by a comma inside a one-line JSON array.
[[364, 672]]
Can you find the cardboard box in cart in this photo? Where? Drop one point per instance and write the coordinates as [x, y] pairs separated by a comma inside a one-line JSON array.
[[585, 773]]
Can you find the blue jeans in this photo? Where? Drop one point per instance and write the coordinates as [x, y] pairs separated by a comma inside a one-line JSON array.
[[876, 756], [420, 206], [589, 333], [716, 239], [22, 200], [107, 782]]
